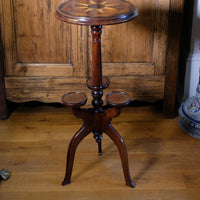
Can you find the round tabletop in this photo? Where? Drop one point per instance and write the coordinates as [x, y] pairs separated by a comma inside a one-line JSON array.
[[96, 12]]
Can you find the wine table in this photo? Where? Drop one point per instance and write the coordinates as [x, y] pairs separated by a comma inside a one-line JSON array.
[[96, 120]]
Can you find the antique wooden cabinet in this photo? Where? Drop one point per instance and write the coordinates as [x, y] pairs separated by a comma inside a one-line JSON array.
[[44, 58]]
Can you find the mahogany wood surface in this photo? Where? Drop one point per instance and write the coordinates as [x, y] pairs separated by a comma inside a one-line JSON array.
[[93, 12], [118, 99], [105, 83], [98, 119], [74, 99], [97, 122]]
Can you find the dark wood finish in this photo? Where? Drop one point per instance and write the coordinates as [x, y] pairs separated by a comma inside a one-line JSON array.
[[93, 12], [3, 104], [172, 64], [118, 99], [77, 138], [105, 83], [97, 92], [74, 99], [97, 120]]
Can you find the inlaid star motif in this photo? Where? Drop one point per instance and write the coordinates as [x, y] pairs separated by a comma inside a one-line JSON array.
[[95, 6]]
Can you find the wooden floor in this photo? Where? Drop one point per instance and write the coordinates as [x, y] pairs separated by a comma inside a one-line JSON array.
[[164, 161]]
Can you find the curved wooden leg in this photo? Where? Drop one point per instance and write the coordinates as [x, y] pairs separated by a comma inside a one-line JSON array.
[[77, 138], [117, 139]]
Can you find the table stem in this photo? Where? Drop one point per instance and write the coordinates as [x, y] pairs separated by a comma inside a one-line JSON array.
[[97, 92]]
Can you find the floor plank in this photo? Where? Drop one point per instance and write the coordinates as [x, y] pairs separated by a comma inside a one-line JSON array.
[[164, 161]]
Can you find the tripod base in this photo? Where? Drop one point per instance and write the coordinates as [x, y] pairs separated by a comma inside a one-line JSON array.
[[97, 122]]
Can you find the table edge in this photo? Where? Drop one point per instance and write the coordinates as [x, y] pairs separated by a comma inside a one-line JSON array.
[[97, 21]]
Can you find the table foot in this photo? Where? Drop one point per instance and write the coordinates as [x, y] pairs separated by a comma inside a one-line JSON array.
[[131, 184], [65, 182]]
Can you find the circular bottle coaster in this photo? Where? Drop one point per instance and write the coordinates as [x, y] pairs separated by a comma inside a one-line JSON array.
[[118, 99], [105, 83], [74, 99]]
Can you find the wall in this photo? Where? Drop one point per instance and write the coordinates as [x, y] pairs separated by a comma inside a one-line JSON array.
[[193, 61]]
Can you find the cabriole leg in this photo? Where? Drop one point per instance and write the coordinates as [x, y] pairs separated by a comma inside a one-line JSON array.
[[77, 138], [117, 139]]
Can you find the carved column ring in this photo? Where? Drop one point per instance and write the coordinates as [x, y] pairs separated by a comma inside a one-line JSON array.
[[96, 33], [105, 84]]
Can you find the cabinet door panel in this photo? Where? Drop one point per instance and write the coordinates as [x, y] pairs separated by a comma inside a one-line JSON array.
[[39, 35], [37, 44], [142, 42], [128, 42]]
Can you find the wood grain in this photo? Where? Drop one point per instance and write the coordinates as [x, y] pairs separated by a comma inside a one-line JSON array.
[[128, 69], [164, 161], [146, 46], [94, 13], [172, 64], [160, 36], [79, 50], [36, 38], [51, 89], [133, 37], [42, 69], [3, 103], [29, 36], [8, 35]]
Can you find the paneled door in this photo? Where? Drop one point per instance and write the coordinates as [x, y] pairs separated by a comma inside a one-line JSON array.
[[45, 58]]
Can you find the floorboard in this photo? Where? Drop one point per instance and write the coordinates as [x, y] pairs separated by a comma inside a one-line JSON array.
[[164, 161]]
